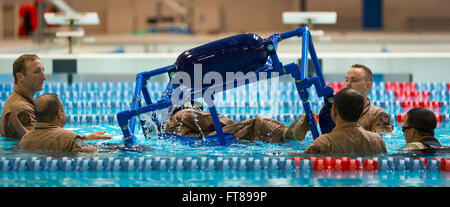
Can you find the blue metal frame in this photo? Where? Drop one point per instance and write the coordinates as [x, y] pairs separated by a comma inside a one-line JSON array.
[[127, 118]]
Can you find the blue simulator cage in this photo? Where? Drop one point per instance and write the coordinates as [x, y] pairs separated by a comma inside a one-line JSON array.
[[265, 50]]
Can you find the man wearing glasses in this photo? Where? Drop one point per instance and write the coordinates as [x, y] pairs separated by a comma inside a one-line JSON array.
[[418, 129]]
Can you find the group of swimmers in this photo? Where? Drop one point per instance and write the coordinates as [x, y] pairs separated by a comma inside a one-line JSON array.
[[38, 124]]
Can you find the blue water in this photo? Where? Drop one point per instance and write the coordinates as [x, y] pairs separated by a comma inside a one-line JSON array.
[[224, 179], [91, 107]]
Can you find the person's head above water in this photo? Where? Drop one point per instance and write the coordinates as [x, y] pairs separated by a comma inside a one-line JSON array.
[[50, 109], [28, 72], [419, 123], [348, 104], [360, 78]]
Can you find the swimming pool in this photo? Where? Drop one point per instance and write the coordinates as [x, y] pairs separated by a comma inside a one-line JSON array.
[[92, 106]]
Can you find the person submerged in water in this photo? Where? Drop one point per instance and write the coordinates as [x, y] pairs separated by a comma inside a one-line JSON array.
[[190, 120]]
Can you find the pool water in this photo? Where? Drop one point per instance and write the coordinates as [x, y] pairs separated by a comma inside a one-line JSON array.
[[92, 106], [223, 179]]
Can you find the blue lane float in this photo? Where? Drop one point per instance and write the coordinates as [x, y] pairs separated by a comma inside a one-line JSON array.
[[142, 164], [112, 119]]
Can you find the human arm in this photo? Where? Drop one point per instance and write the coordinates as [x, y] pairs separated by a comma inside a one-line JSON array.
[[96, 135], [383, 123], [79, 145], [326, 123], [21, 122]]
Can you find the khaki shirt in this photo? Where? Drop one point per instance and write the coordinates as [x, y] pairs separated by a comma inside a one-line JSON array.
[[426, 143], [415, 146], [195, 123], [348, 138], [375, 119], [50, 137], [18, 115], [257, 129]]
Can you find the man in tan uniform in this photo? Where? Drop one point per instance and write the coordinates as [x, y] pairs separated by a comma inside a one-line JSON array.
[[418, 129], [18, 113], [373, 118], [48, 133], [194, 122], [348, 136]]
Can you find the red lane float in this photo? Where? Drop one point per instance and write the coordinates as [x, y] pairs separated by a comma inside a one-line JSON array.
[[447, 165], [406, 104], [436, 104], [425, 95], [342, 164], [388, 86], [438, 118], [425, 104], [370, 165], [401, 117]]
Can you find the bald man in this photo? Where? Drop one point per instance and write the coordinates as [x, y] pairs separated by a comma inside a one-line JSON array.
[[48, 133], [18, 113], [373, 118], [348, 136]]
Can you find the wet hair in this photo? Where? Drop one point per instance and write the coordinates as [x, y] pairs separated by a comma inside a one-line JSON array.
[[194, 105], [46, 110], [423, 120], [350, 104], [19, 65], [369, 75]]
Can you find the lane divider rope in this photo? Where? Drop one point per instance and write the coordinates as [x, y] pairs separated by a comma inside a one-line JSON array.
[[319, 164]]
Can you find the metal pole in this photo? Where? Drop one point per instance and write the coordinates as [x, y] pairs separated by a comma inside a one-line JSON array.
[[217, 125], [304, 62], [315, 60]]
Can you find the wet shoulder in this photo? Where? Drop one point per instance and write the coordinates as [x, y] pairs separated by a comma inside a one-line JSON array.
[[415, 145], [325, 139], [320, 145], [369, 134], [16, 102], [375, 140], [190, 112], [375, 110]]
